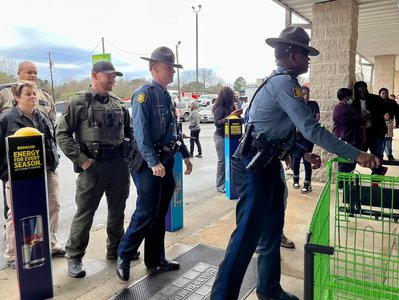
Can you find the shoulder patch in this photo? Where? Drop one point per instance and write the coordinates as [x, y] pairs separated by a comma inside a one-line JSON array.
[[141, 98], [297, 92]]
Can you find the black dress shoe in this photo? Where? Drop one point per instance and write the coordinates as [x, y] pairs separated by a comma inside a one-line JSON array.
[[166, 265], [76, 268], [113, 256], [282, 296], [122, 269]]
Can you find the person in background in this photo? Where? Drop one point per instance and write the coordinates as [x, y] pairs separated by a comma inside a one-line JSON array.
[[223, 108], [237, 100], [92, 133], [296, 159], [158, 138], [392, 96], [24, 113], [393, 113], [373, 106], [348, 125], [195, 129]]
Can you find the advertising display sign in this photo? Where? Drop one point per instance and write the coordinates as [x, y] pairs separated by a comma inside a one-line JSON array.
[[174, 217], [233, 133], [27, 180], [100, 57]]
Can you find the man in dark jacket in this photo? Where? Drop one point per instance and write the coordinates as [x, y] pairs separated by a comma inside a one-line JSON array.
[[373, 108]]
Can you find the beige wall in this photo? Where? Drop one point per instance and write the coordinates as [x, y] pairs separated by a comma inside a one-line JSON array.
[[384, 73], [334, 34], [396, 83]]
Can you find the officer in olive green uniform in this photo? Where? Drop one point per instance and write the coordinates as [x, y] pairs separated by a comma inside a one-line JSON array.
[[94, 133]]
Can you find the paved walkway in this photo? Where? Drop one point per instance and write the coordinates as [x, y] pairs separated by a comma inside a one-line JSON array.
[[210, 222]]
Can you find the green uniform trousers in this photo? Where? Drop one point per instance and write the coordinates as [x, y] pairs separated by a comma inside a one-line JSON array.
[[111, 177]]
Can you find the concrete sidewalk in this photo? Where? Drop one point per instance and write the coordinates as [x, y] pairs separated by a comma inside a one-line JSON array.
[[210, 222]]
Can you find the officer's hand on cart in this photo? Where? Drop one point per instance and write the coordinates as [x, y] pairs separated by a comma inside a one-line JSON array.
[[87, 164], [189, 166], [368, 160], [158, 170], [313, 159]]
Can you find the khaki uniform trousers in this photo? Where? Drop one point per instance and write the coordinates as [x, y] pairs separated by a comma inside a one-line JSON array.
[[53, 192]]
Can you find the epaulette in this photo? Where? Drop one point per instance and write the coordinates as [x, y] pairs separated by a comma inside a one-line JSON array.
[[6, 85]]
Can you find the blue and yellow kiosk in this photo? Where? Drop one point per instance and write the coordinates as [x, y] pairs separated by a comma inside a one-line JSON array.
[[233, 133], [27, 182]]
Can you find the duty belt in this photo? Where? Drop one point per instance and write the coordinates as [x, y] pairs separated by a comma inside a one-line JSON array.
[[103, 153]]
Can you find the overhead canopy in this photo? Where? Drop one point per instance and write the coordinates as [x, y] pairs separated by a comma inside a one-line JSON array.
[[378, 32]]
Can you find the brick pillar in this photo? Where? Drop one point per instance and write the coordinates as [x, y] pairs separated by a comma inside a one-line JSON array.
[[396, 84], [334, 34], [384, 73]]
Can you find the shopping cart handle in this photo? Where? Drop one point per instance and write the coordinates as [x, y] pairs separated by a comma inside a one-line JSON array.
[[314, 248], [390, 162]]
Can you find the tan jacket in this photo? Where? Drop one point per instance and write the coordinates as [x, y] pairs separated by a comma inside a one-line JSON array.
[[44, 101]]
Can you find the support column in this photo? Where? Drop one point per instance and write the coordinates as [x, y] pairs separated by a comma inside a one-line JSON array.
[[334, 34], [396, 84], [384, 73]]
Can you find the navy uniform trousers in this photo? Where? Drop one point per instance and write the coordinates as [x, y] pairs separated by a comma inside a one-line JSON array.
[[148, 220], [260, 219]]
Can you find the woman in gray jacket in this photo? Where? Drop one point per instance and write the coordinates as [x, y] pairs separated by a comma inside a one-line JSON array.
[[194, 126]]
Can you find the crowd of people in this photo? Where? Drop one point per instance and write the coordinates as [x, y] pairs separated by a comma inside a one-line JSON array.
[[107, 145]]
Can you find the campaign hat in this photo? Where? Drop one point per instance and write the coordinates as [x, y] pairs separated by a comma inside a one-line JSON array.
[[165, 55], [294, 35]]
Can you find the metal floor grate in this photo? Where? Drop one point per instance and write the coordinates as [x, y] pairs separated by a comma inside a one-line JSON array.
[[198, 269]]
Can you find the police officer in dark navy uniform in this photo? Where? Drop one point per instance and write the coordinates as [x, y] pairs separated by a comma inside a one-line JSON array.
[[276, 109], [158, 138]]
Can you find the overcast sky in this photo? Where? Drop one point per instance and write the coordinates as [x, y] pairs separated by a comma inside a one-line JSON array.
[[231, 34]]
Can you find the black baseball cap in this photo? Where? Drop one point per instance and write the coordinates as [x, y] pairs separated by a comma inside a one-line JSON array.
[[105, 67]]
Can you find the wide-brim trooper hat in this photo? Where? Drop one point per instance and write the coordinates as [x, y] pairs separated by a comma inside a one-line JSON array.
[[294, 35], [165, 55]]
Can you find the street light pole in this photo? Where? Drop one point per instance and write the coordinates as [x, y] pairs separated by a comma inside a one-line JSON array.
[[196, 11], [178, 75]]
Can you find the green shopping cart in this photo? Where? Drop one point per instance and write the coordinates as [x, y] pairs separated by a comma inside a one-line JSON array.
[[357, 258]]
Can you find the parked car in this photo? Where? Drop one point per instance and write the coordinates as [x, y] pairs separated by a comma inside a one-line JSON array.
[[183, 108], [206, 99], [206, 114], [59, 109]]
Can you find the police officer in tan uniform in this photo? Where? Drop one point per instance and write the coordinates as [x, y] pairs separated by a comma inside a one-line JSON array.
[[28, 71]]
